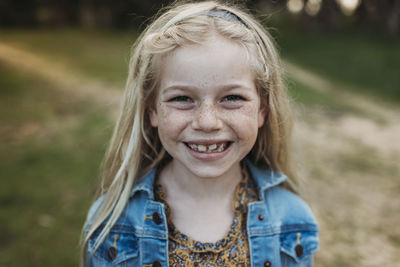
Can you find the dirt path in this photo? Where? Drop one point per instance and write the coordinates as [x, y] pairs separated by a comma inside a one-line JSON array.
[[351, 170], [380, 130], [349, 163]]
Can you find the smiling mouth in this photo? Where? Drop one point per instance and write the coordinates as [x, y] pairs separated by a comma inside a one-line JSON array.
[[212, 148]]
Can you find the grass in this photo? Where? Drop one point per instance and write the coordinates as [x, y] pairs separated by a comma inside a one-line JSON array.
[[97, 54], [327, 101], [367, 64], [49, 156], [362, 63], [350, 161], [52, 144]]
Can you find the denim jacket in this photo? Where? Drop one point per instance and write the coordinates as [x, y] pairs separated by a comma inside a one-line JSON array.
[[282, 231]]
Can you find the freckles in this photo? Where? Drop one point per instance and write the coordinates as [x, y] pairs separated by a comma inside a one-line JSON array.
[[163, 115], [244, 121], [162, 110], [171, 122], [249, 111]]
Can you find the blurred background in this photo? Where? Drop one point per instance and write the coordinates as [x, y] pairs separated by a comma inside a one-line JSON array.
[[63, 66]]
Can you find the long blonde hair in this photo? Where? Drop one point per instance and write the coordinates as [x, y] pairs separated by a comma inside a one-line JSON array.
[[135, 147]]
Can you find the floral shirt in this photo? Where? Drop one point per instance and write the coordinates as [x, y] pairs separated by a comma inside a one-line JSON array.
[[231, 250]]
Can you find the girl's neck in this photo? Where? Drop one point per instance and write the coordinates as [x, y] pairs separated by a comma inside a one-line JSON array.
[[180, 180]]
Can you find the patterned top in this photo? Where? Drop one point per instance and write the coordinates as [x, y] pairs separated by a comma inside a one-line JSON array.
[[231, 250]]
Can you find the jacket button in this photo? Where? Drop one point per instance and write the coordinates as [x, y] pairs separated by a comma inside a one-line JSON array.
[[157, 219], [267, 264], [260, 217], [157, 264], [112, 253], [299, 250]]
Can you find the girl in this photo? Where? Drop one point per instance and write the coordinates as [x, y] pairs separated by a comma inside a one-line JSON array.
[[197, 172]]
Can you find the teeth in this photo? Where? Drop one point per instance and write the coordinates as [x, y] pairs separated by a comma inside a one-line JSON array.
[[210, 148], [202, 148], [221, 148], [193, 146]]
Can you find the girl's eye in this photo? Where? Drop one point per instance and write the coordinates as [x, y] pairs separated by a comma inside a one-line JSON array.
[[233, 101], [233, 98], [180, 98], [181, 102]]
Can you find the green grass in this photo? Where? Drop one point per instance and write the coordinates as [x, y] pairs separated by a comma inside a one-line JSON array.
[[362, 63], [49, 156], [366, 64], [327, 101], [52, 144], [98, 54]]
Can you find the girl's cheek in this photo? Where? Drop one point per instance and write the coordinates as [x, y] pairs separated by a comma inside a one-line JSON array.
[[171, 120], [246, 113]]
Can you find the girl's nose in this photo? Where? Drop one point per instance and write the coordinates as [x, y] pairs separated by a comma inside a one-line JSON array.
[[206, 118]]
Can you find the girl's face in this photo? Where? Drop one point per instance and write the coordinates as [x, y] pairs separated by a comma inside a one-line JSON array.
[[208, 109]]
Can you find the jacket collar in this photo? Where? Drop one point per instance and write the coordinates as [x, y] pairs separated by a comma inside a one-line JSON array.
[[264, 179], [145, 184]]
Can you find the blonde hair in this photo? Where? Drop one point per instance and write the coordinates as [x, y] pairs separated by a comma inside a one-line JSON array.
[[135, 147]]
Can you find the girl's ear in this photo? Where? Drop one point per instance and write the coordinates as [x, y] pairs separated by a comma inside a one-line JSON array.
[[153, 117], [261, 115]]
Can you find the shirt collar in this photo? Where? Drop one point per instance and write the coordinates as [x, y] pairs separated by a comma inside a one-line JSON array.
[[264, 179]]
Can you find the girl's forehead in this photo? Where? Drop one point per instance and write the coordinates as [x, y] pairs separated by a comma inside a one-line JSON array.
[[213, 47], [212, 42], [216, 62]]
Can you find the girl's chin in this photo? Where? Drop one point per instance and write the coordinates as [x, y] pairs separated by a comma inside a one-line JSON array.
[[207, 170]]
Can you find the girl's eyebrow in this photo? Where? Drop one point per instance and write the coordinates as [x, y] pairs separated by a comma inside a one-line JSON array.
[[177, 87], [226, 87]]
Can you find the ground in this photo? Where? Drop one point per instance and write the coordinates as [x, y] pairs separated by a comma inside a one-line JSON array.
[[348, 160]]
